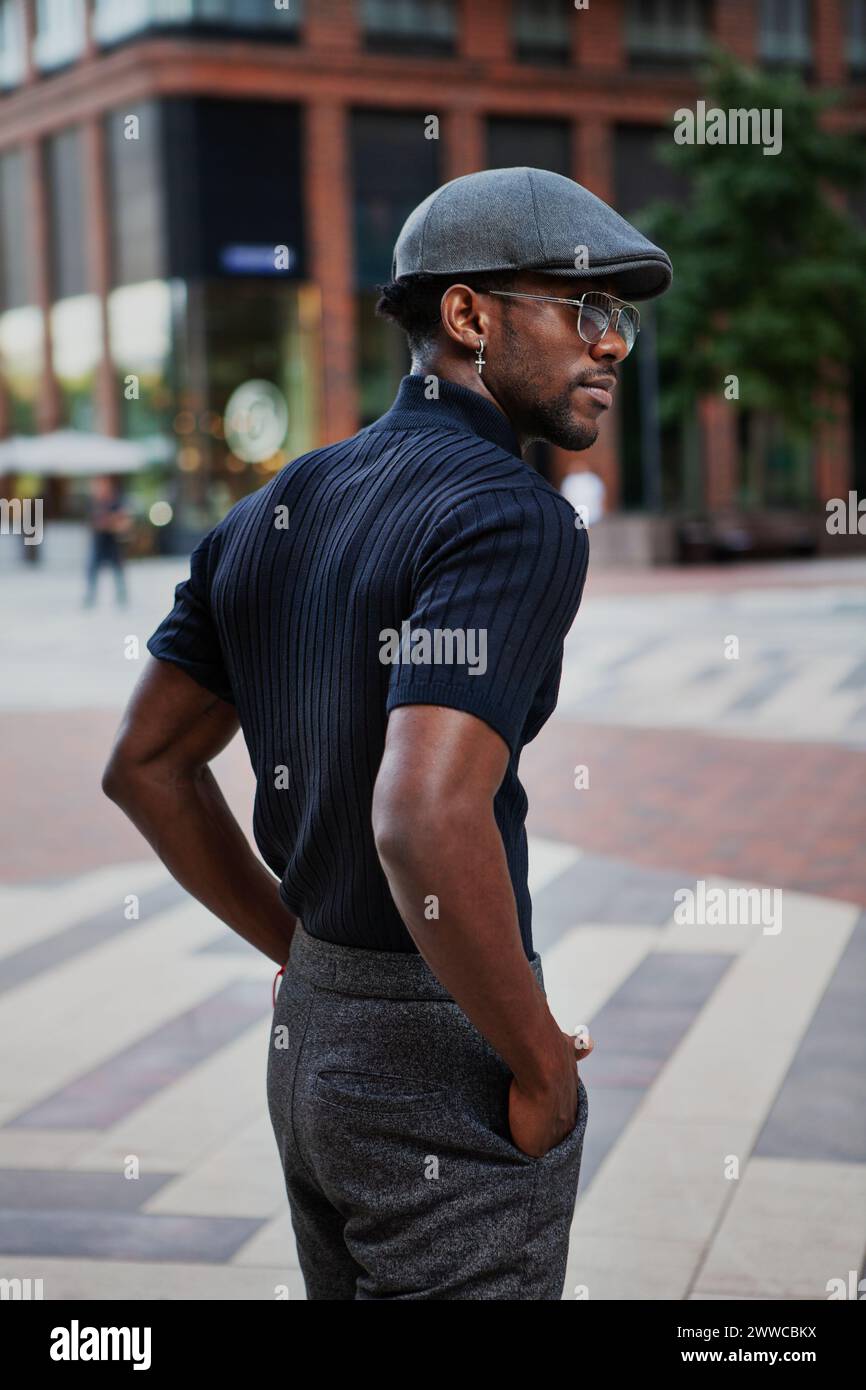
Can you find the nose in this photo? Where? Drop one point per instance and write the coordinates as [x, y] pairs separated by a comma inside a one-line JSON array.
[[611, 344]]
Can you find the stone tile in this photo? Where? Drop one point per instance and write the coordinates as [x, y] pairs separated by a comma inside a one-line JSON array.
[[84, 935], [108, 1280], [629, 1268], [598, 889], [820, 1109], [50, 1190], [273, 1245], [792, 1226], [107, 1093], [109, 1235]]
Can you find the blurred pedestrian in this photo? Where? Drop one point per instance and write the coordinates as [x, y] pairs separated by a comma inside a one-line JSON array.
[[109, 523], [585, 491]]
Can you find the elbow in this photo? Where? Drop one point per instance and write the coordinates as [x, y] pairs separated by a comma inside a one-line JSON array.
[[397, 829], [112, 781], [389, 834], [409, 831], [119, 780]]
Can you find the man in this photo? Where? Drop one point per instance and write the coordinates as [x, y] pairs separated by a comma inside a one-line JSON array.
[[110, 523], [385, 622]]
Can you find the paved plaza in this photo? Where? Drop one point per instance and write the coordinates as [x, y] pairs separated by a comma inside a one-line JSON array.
[[710, 735]]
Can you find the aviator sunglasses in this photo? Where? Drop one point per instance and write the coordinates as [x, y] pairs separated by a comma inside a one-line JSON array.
[[597, 311]]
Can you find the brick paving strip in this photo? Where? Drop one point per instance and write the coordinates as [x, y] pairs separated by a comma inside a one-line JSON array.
[[788, 815], [55, 821]]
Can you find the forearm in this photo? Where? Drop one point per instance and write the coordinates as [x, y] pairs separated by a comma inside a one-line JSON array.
[[474, 947], [185, 818]]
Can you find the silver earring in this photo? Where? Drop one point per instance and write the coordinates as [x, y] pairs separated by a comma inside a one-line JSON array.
[[479, 356]]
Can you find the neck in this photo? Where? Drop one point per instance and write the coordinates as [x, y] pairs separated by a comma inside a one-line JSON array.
[[463, 372]]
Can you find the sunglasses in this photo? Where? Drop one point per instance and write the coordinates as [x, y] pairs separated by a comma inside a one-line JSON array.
[[598, 313]]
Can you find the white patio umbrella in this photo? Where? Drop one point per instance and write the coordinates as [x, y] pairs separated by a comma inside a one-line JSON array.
[[73, 454]]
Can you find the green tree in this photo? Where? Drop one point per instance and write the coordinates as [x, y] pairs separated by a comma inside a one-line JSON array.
[[769, 267]]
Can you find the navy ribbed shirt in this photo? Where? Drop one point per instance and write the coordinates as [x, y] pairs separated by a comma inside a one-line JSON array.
[[422, 561]]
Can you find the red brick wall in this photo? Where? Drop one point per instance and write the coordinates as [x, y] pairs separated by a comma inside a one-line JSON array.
[[328, 199], [828, 39], [735, 27]]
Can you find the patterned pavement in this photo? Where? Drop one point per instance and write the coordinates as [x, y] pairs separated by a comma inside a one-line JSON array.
[[136, 1154]]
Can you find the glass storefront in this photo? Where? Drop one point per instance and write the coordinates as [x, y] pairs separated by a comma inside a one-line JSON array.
[[227, 335], [22, 348], [140, 334], [383, 358], [76, 344]]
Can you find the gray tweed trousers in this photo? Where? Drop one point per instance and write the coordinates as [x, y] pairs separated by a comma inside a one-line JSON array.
[[390, 1112]]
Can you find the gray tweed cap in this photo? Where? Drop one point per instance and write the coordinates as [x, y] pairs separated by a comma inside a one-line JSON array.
[[527, 219]]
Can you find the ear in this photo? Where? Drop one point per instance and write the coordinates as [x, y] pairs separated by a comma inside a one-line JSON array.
[[463, 316]]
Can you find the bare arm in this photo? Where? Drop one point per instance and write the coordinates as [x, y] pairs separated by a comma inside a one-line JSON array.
[[436, 833], [158, 775]]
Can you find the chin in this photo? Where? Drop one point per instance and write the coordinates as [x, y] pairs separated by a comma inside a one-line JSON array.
[[580, 437]]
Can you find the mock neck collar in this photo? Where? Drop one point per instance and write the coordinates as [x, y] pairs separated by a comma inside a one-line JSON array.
[[456, 408]]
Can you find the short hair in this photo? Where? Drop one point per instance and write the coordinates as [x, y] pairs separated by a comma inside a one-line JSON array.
[[413, 301]]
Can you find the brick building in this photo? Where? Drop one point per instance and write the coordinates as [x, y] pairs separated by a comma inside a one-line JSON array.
[[154, 152]]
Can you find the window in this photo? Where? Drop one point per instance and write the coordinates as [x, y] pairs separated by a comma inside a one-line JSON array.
[[64, 174], [114, 19], [227, 216], [16, 266], [394, 169], [540, 144], [117, 19], [541, 31], [11, 43], [666, 32], [424, 27], [135, 191], [855, 37], [640, 176], [59, 32], [784, 35]]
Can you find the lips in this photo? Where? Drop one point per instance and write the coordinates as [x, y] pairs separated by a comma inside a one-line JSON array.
[[599, 394]]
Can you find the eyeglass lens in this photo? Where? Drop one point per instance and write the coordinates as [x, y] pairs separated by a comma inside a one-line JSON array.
[[595, 315]]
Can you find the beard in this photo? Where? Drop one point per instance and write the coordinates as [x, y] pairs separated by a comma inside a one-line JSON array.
[[554, 421]]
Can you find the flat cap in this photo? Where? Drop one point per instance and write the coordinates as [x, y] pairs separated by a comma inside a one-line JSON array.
[[527, 219]]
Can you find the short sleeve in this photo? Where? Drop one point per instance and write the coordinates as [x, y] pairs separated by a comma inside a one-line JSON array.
[[188, 634], [496, 589]]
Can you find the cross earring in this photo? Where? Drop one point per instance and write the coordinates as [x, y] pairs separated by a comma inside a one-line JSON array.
[[479, 356]]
